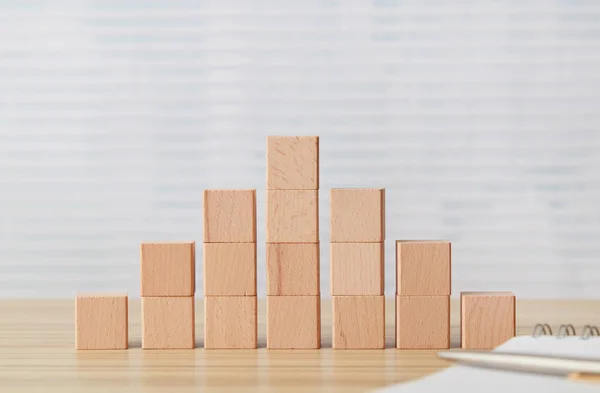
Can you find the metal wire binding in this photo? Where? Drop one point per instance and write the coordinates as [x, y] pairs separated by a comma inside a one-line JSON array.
[[566, 330], [589, 331], [541, 329]]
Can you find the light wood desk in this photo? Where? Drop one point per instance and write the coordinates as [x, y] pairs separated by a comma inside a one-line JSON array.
[[37, 355]]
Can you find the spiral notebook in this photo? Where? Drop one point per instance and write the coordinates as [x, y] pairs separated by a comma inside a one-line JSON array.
[[465, 379]]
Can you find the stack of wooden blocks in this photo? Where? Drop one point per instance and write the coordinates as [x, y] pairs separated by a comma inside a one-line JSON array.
[[168, 284], [357, 268], [230, 309], [168, 287], [293, 289], [423, 287]]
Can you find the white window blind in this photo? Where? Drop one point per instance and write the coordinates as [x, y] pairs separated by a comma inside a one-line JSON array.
[[481, 118]]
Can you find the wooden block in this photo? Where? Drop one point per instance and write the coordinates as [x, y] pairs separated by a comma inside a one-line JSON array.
[[230, 216], [358, 322], [357, 269], [294, 322], [422, 322], [293, 162], [230, 322], [292, 216], [293, 269], [423, 268], [487, 319], [229, 269], [357, 215], [101, 322], [168, 269], [168, 323]]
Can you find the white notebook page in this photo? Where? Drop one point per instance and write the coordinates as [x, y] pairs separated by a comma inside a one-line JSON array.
[[466, 379]]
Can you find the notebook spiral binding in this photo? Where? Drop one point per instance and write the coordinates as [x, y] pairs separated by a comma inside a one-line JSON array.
[[543, 329]]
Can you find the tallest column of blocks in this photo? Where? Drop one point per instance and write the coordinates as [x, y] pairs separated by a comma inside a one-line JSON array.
[[293, 290]]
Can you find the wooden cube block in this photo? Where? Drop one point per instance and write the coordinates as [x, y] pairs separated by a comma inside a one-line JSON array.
[[168, 269], [101, 322], [422, 322], [423, 268], [358, 322], [168, 323], [230, 322], [357, 215], [229, 269], [293, 162], [294, 322], [293, 269], [230, 216], [487, 319], [292, 216], [357, 269]]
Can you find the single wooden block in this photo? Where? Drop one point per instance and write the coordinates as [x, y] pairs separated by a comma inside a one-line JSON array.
[[168, 323], [294, 322], [230, 322], [229, 269], [230, 216], [292, 216], [423, 268], [358, 322], [357, 269], [357, 215], [168, 269], [293, 269], [422, 322], [487, 319], [101, 322], [293, 162]]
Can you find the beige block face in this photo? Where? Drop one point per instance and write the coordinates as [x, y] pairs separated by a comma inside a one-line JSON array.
[[423, 268], [168, 269], [230, 322], [230, 216], [357, 269], [229, 269], [357, 215], [423, 322], [358, 322], [293, 162], [292, 216], [101, 322], [168, 323], [487, 319], [293, 269], [294, 322]]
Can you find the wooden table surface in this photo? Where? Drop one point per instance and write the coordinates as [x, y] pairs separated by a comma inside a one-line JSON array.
[[37, 355]]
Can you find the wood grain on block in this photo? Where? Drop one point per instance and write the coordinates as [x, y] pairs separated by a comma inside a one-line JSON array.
[[168, 269], [293, 162], [357, 215], [229, 269], [230, 322], [357, 269], [294, 322], [358, 322], [292, 216], [423, 322], [293, 269], [230, 216], [101, 322], [168, 323], [423, 268], [487, 319]]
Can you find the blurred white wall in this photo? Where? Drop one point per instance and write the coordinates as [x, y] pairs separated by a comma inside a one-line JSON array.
[[481, 118]]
